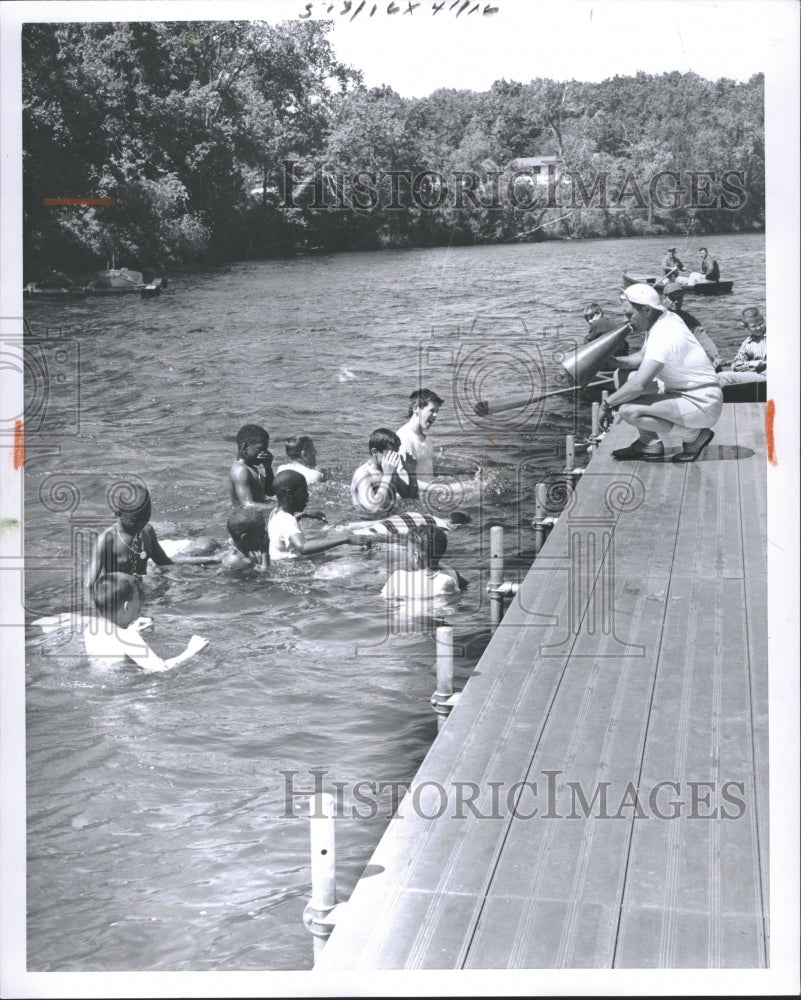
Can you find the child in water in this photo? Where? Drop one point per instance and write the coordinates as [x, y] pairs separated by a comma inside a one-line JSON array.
[[427, 577], [417, 448], [116, 634], [249, 534], [126, 546], [286, 538], [303, 459], [251, 474], [377, 484]]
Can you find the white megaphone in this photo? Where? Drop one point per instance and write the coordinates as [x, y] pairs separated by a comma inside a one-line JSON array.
[[583, 363]]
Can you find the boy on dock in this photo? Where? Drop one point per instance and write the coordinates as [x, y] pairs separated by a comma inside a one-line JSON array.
[[377, 483], [251, 475], [287, 540], [117, 634], [417, 448]]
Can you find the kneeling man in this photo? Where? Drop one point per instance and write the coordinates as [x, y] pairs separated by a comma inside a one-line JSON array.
[[674, 393]]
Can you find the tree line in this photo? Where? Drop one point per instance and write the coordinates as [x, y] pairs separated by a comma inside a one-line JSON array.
[[232, 140]]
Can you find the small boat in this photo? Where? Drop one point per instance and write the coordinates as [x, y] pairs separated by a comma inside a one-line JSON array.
[[699, 288], [34, 290], [121, 280]]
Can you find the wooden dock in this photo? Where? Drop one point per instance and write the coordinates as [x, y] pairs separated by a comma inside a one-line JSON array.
[[598, 798]]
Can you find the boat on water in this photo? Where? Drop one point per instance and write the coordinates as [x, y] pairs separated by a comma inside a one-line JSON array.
[[35, 290], [121, 281], [697, 288], [110, 281]]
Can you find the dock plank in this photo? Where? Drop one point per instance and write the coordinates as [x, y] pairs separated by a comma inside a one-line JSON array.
[[635, 653]]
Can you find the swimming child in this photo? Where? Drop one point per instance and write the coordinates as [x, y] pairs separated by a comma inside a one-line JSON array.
[[116, 634], [286, 538], [377, 484], [251, 475], [249, 534], [426, 576], [417, 449], [126, 546], [303, 459]]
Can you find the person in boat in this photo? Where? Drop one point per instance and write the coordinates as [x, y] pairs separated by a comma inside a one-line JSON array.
[[251, 475], [116, 635], [709, 266], [426, 577], [691, 399], [248, 532], [128, 544], [751, 361], [286, 538], [303, 459], [416, 446], [673, 300], [671, 265], [377, 484]]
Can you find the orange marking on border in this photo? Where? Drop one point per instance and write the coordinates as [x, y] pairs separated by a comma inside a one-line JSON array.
[[19, 444], [491, 441], [79, 201], [770, 416]]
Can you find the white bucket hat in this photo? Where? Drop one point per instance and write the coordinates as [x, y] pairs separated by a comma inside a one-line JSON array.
[[644, 295]]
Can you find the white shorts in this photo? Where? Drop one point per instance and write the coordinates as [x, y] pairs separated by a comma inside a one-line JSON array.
[[692, 408]]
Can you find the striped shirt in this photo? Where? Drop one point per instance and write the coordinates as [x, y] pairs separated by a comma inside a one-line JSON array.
[[750, 350]]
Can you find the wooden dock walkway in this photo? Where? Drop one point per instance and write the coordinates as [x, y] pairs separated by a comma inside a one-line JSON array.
[[598, 797]]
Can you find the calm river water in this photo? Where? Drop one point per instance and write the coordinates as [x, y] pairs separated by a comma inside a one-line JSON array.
[[163, 832]]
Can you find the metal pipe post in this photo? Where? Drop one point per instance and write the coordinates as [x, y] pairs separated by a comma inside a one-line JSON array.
[[496, 575], [540, 509], [442, 699], [570, 453], [595, 433], [323, 869]]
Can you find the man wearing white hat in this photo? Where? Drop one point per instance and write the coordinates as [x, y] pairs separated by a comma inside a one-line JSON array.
[[692, 399]]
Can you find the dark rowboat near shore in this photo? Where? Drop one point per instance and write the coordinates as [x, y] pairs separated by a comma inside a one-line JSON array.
[[699, 288]]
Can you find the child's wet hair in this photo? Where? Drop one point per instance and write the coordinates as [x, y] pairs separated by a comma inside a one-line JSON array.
[[286, 482], [421, 398], [130, 500], [295, 446], [251, 434], [382, 440], [245, 521], [432, 544], [112, 591]]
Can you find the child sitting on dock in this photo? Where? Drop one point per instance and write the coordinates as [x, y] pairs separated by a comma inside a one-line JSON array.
[[417, 448], [248, 532], [116, 634], [427, 577], [303, 459], [287, 541], [377, 484], [126, 546], [251, 475]]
